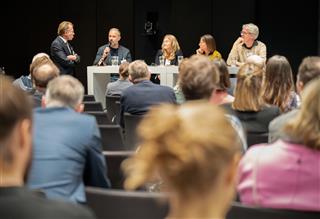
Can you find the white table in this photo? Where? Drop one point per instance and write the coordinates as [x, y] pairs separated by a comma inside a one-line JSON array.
[[99, 76]]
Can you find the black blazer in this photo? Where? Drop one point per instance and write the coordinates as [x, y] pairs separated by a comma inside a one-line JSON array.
[[172, 62], [59, 52]]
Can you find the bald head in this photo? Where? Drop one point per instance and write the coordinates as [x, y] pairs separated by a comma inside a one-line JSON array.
[[42, 74]]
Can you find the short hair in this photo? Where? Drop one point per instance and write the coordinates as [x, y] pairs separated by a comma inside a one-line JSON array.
[[63, 27], [305, 127], [252, 29], [257, 60], [65, 91], [224, 80], [198, 78], [193, 140], [309, 69], [209, 41], [115, 30], [38, 55], [138, 70], [174, 44], [124, 69], [247, 95], [278, 82], [43, 73], [15, 106]]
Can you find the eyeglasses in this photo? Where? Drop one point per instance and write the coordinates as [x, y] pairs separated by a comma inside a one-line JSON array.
[[243, 33]]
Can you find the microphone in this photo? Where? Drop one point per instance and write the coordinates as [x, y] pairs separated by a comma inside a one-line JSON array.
[[103, 58]]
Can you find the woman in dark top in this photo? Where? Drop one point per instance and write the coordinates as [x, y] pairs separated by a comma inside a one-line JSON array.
[[170, 50], [248, 104]]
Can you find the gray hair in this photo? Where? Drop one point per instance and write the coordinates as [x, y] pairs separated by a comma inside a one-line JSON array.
[[252, 29], [138, 70], [64, 91]]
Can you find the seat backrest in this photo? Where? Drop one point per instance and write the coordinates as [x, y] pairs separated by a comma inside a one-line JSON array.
[[112, 138], [92, 106], [120, 204], [113, 161], [101, 117], [240, 211], [131, 123], [88, 97], [112, 109], [257, 138]]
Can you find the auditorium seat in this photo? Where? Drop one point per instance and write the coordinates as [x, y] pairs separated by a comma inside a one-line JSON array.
[[112, 138]]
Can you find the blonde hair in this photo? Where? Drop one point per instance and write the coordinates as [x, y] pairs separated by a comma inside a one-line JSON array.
[[64, 91], [63, 27], [305, 127], [193, 140], [247, 96], [278, 82], [174, 45]]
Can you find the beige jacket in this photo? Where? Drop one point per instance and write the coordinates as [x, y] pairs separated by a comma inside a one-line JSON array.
[[240, 53]]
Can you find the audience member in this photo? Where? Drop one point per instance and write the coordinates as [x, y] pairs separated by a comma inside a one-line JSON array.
[[248, 105], [62, 52], [138, 98], [25, 82], [15, 156], [112, 48], [199, 79], [309, 69], [285, 174], [221, 96], [67, 151], [207, 47], [42, 71], [115, 88], [247, 45], [278, 86], [170, 50], [193, 148]]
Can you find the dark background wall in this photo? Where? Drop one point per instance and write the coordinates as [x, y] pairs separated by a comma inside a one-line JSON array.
[[28, 27]]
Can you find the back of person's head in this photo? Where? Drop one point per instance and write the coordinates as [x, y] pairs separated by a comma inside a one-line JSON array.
[[64, 91], [209, 41], [257, 60], [15, 127], [278, 82], [305, 127], [309, 69], [248, 89], [224, 80], [138, 70], [43, 70], [198, 78], [124, 70], [252, 29], [190, 146]]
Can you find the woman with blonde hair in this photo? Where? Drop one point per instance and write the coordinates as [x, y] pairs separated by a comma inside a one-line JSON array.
[[207, 47], [194, 150], [248, 105], [170, 50], [286, 173], [278, 86]]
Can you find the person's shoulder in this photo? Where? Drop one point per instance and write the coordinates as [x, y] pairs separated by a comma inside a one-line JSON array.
[[280, 120], [261, 43], [124, 49]]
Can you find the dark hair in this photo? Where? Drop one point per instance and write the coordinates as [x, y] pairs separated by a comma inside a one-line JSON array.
[[224, 81], [198, 78], [210, 42], [309, 69], [14, 107]]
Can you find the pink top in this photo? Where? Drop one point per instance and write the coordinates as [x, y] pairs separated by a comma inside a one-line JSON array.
[[280, 175]]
